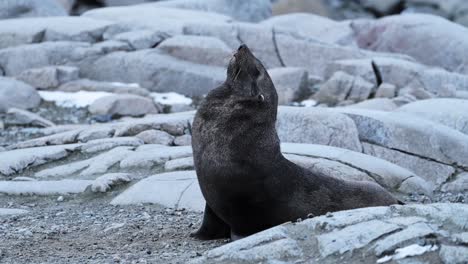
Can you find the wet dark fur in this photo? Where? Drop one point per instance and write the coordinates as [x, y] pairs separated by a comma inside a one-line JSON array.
[[248, 184]]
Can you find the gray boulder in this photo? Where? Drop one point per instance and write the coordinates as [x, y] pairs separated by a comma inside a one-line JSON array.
[[157, 72], [156, 137], [34, 30], [18, 117], [449, 112], [386, 90], [400, 234], [402, 73], [344, 87], [413, 30], [290, 83], [381, 104], [314, 26], [169, 20], [123, 105], [17, 94], [198, 49], [49, 77], [41, 55], [251, 11], [317, 126], [30, 8]]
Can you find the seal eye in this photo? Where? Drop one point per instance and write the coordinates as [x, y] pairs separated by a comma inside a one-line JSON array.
[[261, 98]]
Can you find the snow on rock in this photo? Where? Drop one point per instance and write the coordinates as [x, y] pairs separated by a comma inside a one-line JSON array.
[[11, 211], [78, 99], [171, 98], [105, 182], [408, 251], [43, 187], [172, 189]]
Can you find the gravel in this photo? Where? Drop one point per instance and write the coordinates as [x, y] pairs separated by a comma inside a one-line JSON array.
[[84, 229]]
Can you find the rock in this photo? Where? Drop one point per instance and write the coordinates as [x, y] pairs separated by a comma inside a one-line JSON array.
[[184, 140], [110, 87], [170, 20], [156, 137], [411, 135], [386, 90], [388, 175], [459, 184], [198, 49], [238, 9], [105, 182], [49, 77], [449, 112], [141, 39], [157, 72], [403, 73], [453, 254], [314, 26], [365, 235], [15, 161], [381, 104], [123, 105], [43, 187], [317, 126], [109, 46], [18, 117], [43, 54], [30, 8], [341, 87], [179, 164], [99, 145], [154, 155], [174, 189], [434, 172], [407, 34], [291, 84], [17, 94], [43, 29], [226, 32]]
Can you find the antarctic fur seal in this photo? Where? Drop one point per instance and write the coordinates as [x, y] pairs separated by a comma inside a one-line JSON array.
[[247, 183]]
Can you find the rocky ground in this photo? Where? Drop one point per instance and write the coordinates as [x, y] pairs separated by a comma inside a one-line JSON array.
[[95, 116]]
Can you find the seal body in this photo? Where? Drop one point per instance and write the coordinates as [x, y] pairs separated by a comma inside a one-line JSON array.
[[247, 183]]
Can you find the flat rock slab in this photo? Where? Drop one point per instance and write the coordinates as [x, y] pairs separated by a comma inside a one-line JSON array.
[[12, 162], [173, 189], [43, 187], [365, 235]]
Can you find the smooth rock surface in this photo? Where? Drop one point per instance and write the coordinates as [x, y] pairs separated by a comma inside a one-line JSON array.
[[49, 77], [19, 117], [17, 94], [30, 8], [291, 84]]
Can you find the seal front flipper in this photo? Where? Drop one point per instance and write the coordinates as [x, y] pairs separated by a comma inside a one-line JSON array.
[[212, 227]]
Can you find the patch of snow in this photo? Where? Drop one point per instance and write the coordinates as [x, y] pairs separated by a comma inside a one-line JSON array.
[[78, 99], [9, 211], [171, 98], [136, 85], [308, 103], [105, 182], [408, 251], [21, 178]]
